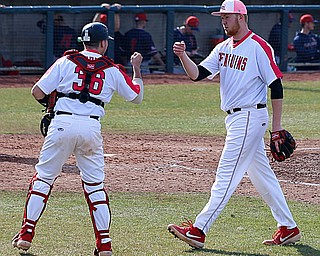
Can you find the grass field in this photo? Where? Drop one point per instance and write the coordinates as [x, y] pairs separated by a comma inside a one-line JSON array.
[[184, 109], [140, 219]]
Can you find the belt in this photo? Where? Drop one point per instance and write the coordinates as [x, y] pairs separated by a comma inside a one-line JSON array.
[[68, 113], [230, 111], [77, 96]]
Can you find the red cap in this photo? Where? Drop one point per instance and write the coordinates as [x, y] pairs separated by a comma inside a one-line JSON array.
[[141, 17], [193, 22], [307, 18], [103, 18]]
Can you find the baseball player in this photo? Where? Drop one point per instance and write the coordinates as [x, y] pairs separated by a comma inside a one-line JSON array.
[[247, 67], [119, 54], [84, 82], [139, 40], [185, 33], [307, 44]]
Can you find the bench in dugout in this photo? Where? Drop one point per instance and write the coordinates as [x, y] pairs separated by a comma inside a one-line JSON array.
[[304, 65]]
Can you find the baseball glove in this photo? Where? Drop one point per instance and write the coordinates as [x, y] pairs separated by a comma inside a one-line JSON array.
[[48, 112], [285, 142], [45, 122]]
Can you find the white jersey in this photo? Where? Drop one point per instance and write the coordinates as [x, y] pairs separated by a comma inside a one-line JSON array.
[[65, 77], [246, 69]]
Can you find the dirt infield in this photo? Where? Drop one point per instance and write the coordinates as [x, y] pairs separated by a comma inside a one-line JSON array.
[[158, 163]]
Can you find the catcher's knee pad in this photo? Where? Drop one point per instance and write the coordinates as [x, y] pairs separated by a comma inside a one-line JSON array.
[[37, 198], [98, 203]]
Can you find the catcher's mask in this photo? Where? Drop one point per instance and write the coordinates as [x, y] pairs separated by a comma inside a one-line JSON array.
[[94, 32]]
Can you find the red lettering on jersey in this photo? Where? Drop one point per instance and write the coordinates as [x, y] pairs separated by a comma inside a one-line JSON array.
[[232, 61], [239, 62], [96, 82], [82, 76], [221, 55], [226, 60], [244, 64], [236, 61]]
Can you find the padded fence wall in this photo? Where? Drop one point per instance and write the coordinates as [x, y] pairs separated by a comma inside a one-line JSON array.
[[27, 34]]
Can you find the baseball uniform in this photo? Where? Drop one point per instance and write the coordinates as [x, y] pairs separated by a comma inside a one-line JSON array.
[[84, 82], [246, 65], [246, 69]]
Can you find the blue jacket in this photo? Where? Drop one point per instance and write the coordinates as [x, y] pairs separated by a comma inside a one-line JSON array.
[[307, 47], [139, 40]]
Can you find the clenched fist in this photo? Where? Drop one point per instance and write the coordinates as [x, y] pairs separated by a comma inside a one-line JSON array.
[[179, 48], [136, 59]]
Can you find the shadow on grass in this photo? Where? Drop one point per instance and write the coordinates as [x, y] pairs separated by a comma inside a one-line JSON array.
[[66, 168], [303, 249], [306, 250], [27, 254], [18, 159], [222, 252]]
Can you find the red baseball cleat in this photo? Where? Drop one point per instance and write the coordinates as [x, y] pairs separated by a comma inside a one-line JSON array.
[[284, 236], [23, 239], [21, 243], [188, 233], [105, 250]]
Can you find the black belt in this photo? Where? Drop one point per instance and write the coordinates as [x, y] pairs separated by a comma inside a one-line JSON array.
[[68, 113], [74, 96], [230, 111]]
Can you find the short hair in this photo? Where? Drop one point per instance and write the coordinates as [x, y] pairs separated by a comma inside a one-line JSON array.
[[246, 17], [92, 44]]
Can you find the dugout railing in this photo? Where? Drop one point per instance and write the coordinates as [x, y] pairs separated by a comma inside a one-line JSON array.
[[22, 41]]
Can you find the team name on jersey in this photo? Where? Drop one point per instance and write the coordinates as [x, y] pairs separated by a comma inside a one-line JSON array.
[[232, 61]]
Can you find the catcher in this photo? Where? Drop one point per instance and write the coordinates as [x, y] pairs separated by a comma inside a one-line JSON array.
[[49, 101], [78, 85]]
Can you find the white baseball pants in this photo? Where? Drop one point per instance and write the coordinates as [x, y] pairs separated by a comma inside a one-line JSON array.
[[244, 151]]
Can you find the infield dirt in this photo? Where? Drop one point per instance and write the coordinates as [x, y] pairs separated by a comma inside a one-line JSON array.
[[158, 163]]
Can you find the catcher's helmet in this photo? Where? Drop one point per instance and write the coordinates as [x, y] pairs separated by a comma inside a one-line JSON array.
[[94, 32]]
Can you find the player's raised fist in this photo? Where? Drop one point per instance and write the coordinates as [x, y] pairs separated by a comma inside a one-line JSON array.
[[136, 59], [179, 48]]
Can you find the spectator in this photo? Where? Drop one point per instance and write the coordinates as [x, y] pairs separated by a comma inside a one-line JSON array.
[[307, 44], [119, 54], [185, 33], [275, 37], [139, 40], [64, 37], [5, 62]]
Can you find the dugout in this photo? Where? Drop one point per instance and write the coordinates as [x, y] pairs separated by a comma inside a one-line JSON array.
[[31, 51]]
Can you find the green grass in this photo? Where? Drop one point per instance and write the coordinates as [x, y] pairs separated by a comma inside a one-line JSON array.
[[170, 109], [140, 220]]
